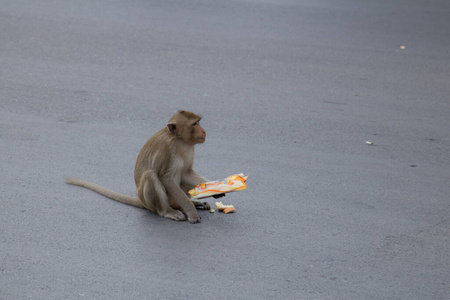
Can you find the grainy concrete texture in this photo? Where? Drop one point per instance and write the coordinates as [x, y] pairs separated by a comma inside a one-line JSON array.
[[290, 91]]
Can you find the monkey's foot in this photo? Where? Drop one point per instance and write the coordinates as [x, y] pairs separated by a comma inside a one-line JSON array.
[[192, 216], [195, 219], [175, 215]]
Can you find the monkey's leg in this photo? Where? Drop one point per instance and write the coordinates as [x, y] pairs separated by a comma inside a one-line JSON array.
[[198, 204], [154, 196], [179, 197]]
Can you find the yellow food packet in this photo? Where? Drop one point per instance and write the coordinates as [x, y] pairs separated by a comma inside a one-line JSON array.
[[232, 183]]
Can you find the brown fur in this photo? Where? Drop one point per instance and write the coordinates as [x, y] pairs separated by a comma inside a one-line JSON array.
[[164, 171]]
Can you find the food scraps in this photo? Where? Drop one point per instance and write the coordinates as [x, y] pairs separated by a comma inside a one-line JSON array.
[[225, 208]]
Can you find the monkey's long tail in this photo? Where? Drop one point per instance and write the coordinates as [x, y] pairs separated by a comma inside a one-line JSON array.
[[105, 192]]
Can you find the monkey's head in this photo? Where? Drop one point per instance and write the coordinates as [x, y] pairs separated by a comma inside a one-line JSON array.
[[185, 126]]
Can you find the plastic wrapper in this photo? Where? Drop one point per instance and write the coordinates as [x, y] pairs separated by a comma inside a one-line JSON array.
[[232, 183]]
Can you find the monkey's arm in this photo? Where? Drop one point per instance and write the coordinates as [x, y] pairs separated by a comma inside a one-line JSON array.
[[191, 179]]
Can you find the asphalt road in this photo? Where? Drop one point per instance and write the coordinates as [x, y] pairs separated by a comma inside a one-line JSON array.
[[290, 91]]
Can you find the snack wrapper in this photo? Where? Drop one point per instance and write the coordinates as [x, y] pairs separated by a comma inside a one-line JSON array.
[[232, 183]]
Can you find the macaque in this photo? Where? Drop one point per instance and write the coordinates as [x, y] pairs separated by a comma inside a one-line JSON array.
[[164, 171]]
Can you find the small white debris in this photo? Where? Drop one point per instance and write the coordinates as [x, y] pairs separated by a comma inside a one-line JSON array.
[[402, 47], [369, 143]]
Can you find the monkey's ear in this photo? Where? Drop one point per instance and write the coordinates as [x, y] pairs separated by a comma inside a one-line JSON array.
[[172, 128]]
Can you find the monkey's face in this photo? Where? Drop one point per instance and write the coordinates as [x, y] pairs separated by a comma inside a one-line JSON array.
[[198, 134], [186, 127]]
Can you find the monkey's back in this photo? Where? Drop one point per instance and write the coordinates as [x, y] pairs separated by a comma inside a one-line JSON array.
[[154, 154]]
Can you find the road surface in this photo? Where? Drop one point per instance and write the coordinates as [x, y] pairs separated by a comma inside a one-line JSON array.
[[290, 92]]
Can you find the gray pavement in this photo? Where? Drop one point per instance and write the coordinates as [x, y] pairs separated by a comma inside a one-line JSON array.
[[290, 92]]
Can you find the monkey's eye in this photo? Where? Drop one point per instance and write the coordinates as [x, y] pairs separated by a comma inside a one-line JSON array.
[[196, 123]]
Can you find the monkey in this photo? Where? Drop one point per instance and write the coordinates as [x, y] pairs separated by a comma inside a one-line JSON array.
[[164, 171]]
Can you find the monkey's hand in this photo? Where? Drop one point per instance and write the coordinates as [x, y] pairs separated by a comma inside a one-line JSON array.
[[201, 205], [219, 196]]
